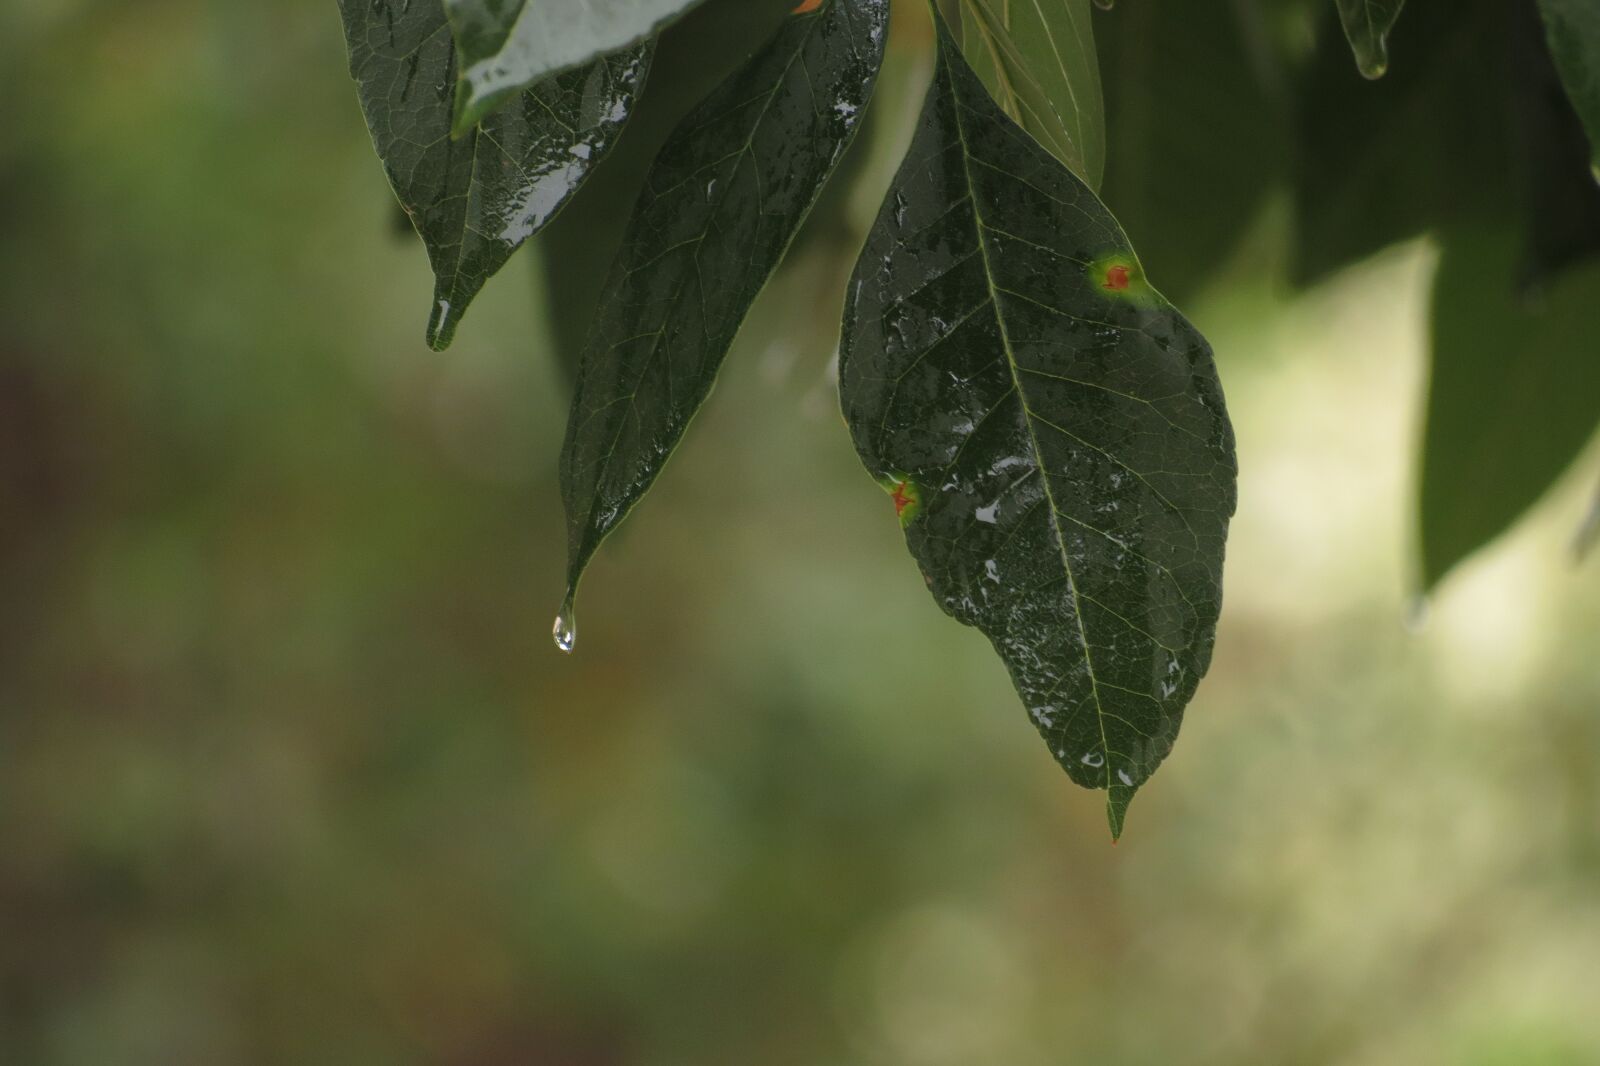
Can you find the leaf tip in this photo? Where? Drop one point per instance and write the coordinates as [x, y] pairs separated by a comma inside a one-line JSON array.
[[442, 324], [1117, 799]]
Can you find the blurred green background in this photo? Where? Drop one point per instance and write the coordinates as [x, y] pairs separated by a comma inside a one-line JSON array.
[[290, 771]]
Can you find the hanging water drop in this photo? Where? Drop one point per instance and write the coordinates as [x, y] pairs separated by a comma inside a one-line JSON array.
[[565, 631]]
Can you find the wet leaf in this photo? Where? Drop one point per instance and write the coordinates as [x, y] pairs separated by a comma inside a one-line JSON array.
[[689, 59], [476, 199], [721, 204], [1051, 432], [1513, 398], [1367, 24], [506, 46], [1038, 59], [1573, 27]]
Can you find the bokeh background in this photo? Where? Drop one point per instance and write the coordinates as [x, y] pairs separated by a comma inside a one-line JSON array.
[[290, 771]]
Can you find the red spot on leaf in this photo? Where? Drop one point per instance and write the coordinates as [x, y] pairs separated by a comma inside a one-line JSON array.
[[806, 7], [901, 500], [1116, 278]]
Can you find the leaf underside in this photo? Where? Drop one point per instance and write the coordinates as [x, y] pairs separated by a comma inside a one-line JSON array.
[[1037, 57], [721, 204], [475, 199], [506, 46], [1051, 430], [1367, 24], [1514, 393]]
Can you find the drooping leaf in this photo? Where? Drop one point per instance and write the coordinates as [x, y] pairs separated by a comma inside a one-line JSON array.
[[690, 58], [1038, 59], [1197, 133], [1367, 24], [1428, 146], [1513, 397], [1574, 30], [1050, 429], [720, 207], [506, 46], [476, 199]]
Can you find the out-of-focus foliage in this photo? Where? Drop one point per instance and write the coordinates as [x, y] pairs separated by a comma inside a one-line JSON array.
[[1367, 24], [290, 773], [1573, 27], [1513, 395]]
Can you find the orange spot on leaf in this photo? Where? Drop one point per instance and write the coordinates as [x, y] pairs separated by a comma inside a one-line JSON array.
[[806, 7], [1116, 278], [901, 500]]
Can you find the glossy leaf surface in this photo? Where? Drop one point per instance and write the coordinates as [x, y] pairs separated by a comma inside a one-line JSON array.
[[721, 204], [476, 199], [1051, 432], [1514, 393], [1038, 59], [1573, 27], [506, 46], [688, 60], [1367, 24]]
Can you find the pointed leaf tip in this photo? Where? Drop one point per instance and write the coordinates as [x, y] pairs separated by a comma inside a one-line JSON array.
[[1367, 24], [475, 194], [1118, 799], [721, 204]]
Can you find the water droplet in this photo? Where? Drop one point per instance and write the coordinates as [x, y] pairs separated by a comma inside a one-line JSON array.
[[442, 325], [1095, 759], [1104, 5], [565, 631]]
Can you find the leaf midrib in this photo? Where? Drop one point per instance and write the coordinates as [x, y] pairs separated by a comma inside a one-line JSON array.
[[1027, 421]]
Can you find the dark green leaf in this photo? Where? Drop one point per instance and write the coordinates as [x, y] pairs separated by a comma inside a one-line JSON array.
[[1514, 394], [475, 199], [1574, 30], [1051, 430], [1429, 145], [1038, 59], [509, 45], [720, 206], [1196, 130], [690, 58], [1367, 24]]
